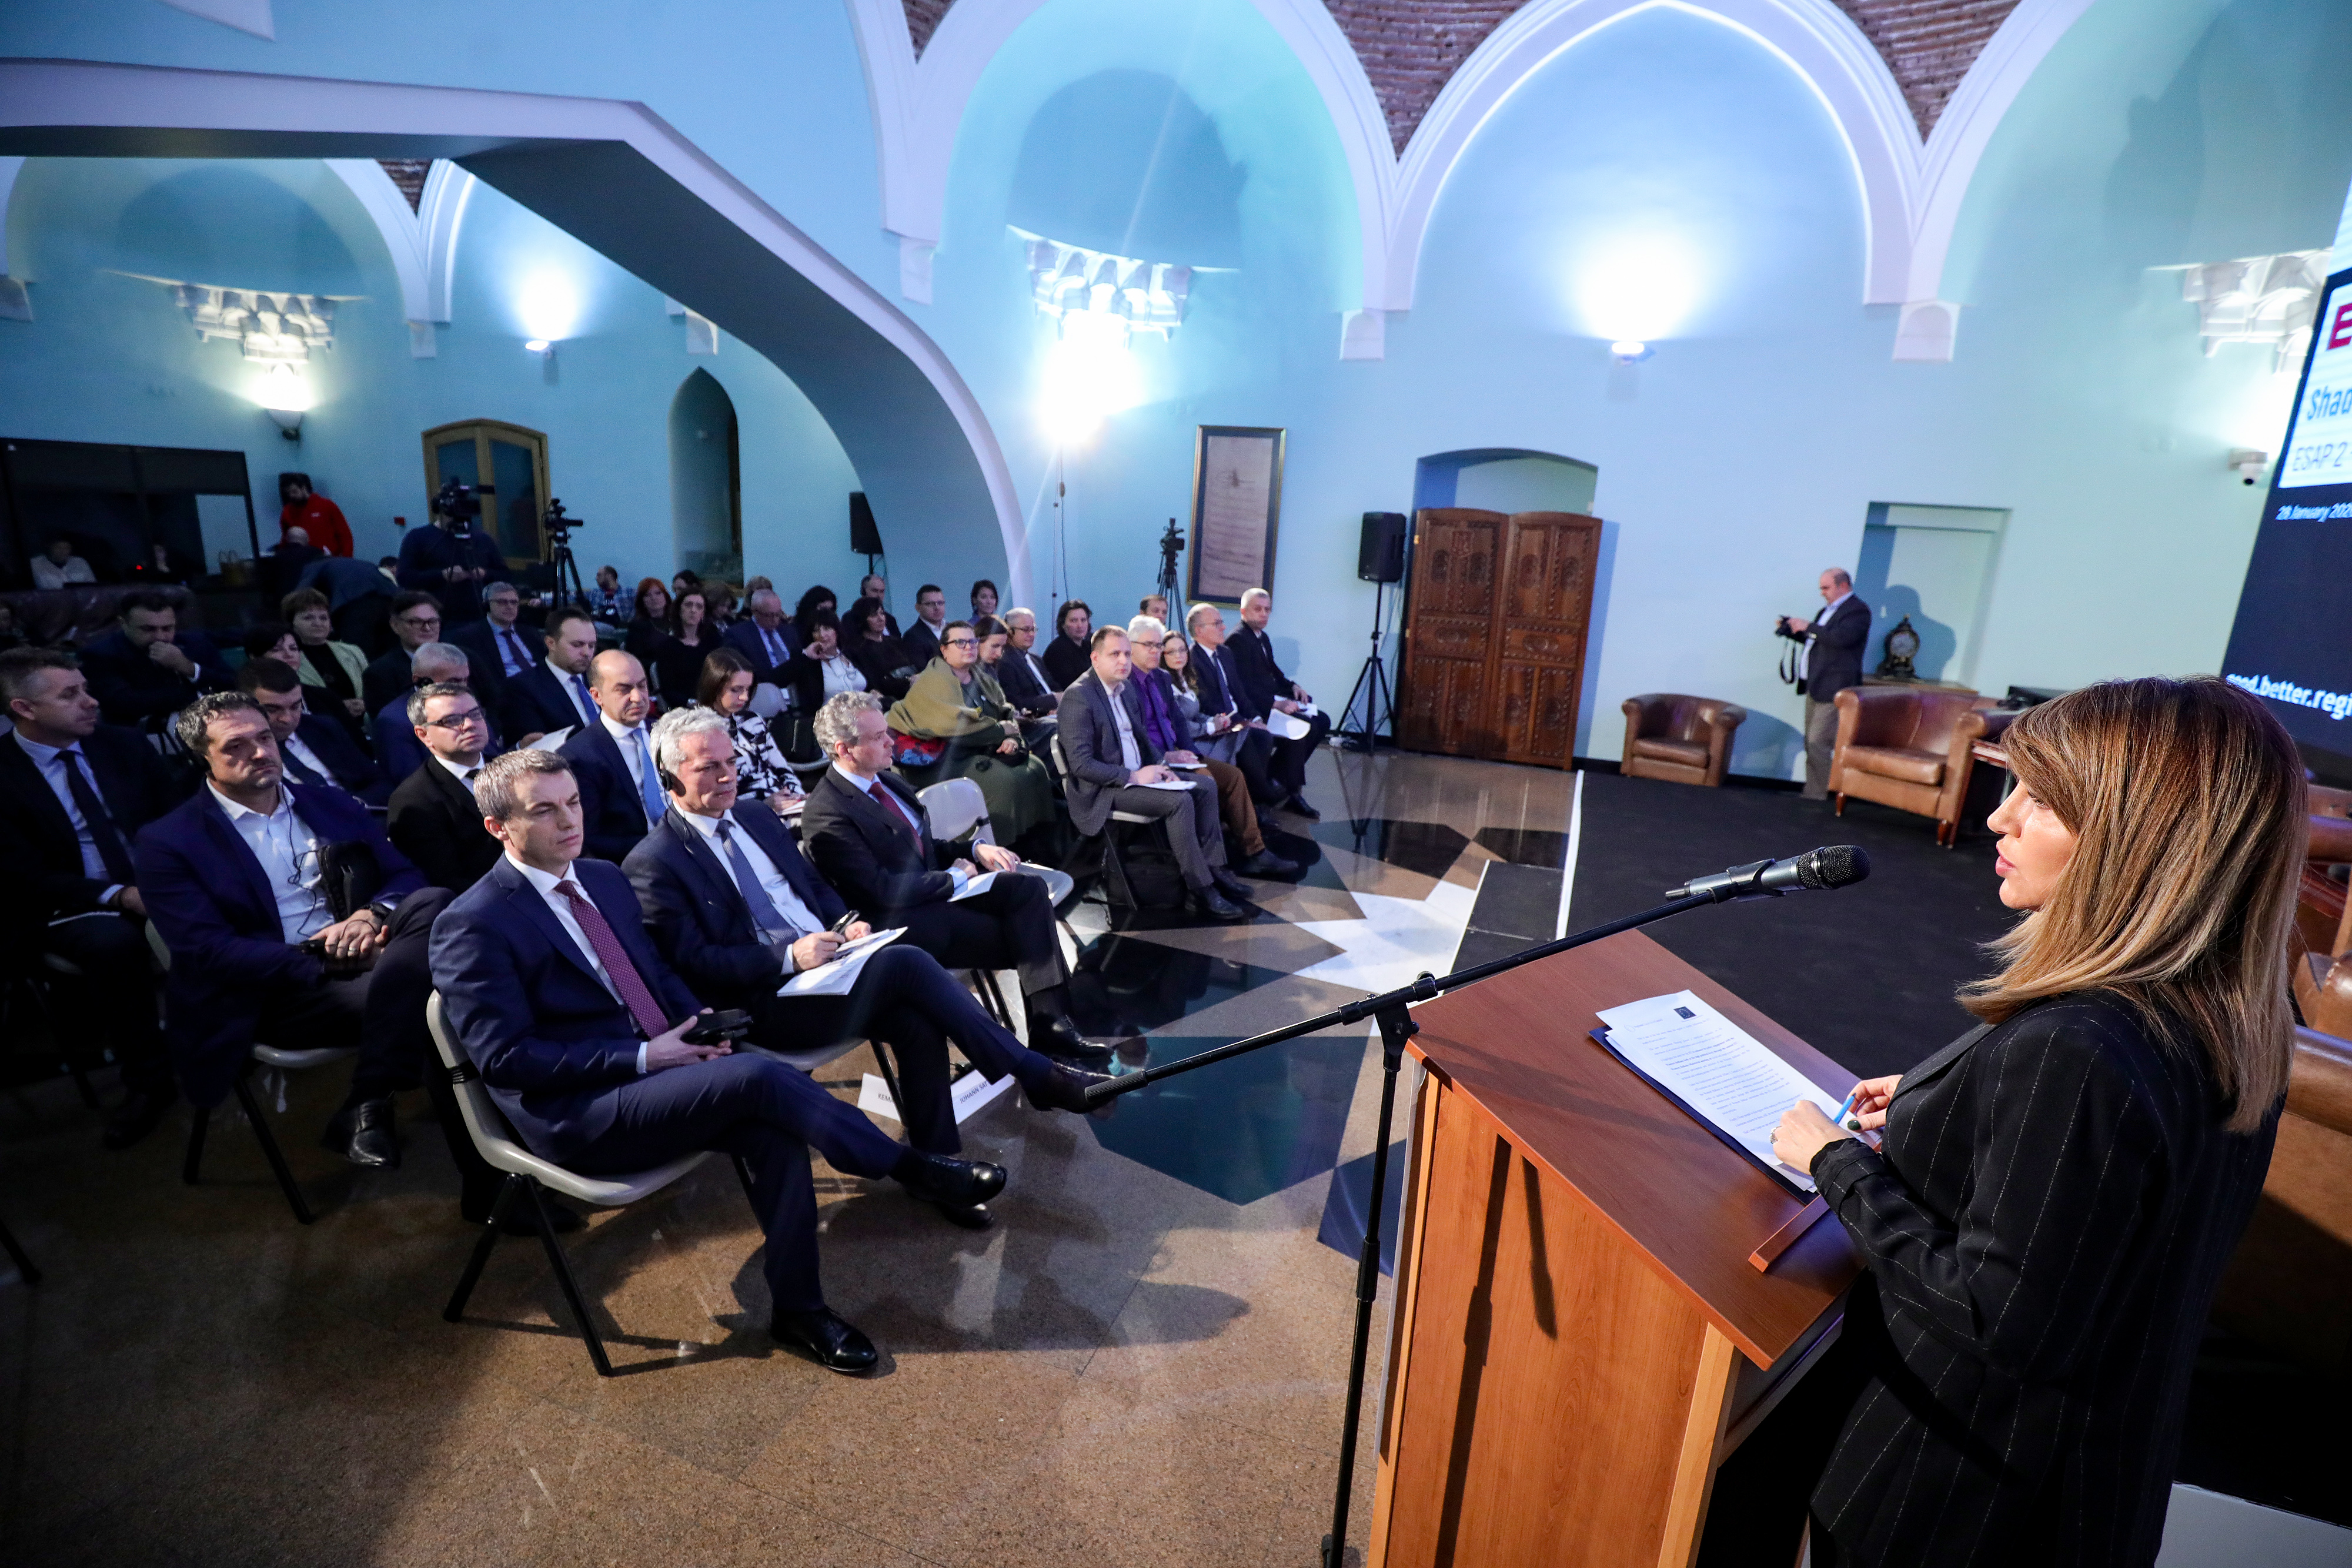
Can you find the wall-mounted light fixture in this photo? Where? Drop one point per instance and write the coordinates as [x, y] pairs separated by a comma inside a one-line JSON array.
[[2248, 464], [1627, 351], [286, 398]]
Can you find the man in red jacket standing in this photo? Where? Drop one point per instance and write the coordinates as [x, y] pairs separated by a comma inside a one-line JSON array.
[[315, 515]]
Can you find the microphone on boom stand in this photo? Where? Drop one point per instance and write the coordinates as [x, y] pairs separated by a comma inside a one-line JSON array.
[[1834, 865]]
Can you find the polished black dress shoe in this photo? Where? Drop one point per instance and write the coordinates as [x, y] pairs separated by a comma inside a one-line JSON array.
[[1265, 862], [948, 1182], [823, 1336], [362, 1133], [1065, 1089], [1298, 803], [966, 1215], [1060, 1038], [136, 1117], [1229, 884], [1208, 901]]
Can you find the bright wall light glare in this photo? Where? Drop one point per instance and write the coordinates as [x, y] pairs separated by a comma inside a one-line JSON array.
[[548, 305], [283, 390], [1639, 289], [1088, 376]]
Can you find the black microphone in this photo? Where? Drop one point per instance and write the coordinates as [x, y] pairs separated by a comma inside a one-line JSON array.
[[1834, 865]]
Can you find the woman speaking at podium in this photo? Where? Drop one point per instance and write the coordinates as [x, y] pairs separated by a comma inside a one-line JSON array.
[[2058, 1188]]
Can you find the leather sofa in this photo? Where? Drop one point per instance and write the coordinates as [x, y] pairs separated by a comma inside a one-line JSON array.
[[1907, 747], [1682, 739]]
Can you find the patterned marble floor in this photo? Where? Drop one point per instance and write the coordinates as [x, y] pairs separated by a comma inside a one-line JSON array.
[[1141, 1363]]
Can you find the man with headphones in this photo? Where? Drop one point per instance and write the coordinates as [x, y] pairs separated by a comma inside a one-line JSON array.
[[735, 910]]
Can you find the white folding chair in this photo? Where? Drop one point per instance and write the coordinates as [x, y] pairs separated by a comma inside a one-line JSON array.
[[529, 1177], [1117, 889], [954, 808], [281, 1058]]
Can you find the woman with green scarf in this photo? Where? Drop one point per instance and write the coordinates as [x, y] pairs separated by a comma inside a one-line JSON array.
[[956, 701]]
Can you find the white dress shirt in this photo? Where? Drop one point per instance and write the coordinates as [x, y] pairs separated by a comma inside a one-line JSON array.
[[569, 682], [773, 642], [288, 853], [514, 654], [561, 908], [625, 736], [462, 772], [297, 748], [48, 574], [53, 773], [896, 806], [1813, 643], [789, 903], [1129, 755]]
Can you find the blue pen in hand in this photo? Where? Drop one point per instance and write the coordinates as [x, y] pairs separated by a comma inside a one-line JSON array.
[[1847, 1109]]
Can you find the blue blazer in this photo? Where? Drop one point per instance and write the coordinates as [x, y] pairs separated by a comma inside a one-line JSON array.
[[212, 901], [398, 750], [697, 913], [614, 812], [348, 765], [535, 703], [744, 638], [552, 1044]]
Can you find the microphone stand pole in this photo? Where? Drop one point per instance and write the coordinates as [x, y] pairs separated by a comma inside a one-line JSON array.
[[1389, 1010]]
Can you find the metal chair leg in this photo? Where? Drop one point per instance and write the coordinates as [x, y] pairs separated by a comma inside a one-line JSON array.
[[562, 1268], [269, 1148], [1116, 890], [17, 1255], [889, 1078], [508, 1191], [196, 1145], [993, 996]]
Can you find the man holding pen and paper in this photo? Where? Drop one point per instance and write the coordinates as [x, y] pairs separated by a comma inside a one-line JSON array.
[[737, 911]]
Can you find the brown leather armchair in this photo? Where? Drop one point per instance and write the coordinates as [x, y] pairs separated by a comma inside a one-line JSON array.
[[1682, 739], [1907, 747], [2289, 1286]]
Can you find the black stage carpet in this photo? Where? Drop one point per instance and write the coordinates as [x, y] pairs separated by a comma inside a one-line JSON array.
[[1865, 974]]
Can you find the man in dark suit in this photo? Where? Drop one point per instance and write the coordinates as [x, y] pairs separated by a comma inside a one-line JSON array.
[[874, 586], [73, 793], [498, 645], [765, 639], [553, 693], [1113, 765], [1259, 688], [315, 750], [1246, 746], [435, 820], [577, 1026], [148, 667], [614, 759], [1018, 672], [865, 831], [1833, 641], [415, 621], [737, 911], [397, 747], [921, 639], [239, 881]]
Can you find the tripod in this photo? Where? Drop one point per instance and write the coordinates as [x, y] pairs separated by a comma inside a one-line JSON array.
[[568, 589], [1372, 686], [1172, 545]]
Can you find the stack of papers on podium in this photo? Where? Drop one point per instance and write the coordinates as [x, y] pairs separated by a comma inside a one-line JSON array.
[[1734, 1084], [834, 979]]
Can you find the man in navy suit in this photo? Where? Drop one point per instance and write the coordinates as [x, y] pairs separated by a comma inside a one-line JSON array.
[[315, 750], [397, 749], [765, 639], [552, 695], [148, 668], [614, 759], [240, 882], [435, 820], [577, 1026], [1246, 746], [500, 646], [737, 911], [73, 791], [1259, 688]]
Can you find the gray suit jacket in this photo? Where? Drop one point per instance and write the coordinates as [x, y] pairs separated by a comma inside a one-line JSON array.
[[1090, 747]]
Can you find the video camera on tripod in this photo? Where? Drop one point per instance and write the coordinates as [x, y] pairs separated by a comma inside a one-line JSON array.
[[1172, 545], [460, 503], [555, 528]]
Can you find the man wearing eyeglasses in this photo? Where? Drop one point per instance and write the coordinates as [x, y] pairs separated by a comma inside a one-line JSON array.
[[435, 820], [415, 621]]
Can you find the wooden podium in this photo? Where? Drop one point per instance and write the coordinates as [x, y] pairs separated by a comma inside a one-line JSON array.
[[1580, 1336]]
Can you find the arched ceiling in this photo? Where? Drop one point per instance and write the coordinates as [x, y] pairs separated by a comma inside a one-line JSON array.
[[1411, 49]]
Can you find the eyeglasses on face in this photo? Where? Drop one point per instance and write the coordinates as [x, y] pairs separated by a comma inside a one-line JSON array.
[[960, 642], [456, 721]]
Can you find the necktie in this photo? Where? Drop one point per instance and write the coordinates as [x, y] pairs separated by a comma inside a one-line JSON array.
[[650, 790], [775, 643], [517, 660], [892, 809], [587, 704], [616, 959], [295, 769], [111, 852], [471, 774], [764, 913]]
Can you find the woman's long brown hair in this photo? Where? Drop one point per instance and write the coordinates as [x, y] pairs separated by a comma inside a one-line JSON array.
[[2185, 799]]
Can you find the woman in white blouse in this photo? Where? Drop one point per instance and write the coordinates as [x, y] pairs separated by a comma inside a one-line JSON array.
[[759, 766]]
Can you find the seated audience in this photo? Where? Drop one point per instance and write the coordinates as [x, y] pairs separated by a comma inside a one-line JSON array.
[[922, 639], [1246, 746], [813, 600], [1027, 684], [396, 750], [1071, 657], [238, 882], [336, 671], [648, 627], [1244, 667], [614, 759], [677, 662], [415, 621], [359, 603], [577, 1025], [273, 640], [761, 772], [314, 749], [1161, 702], [73, 794], [604, 600], [822, 667], [552, 695], [955, 702], [888, 668], [684, 581], [865, 831], [995, 637], [763, 639], [1153, 606], [320, 520], [1113, 765], [983, 599], [433, 819], [874, 587], [59, 567], [163, 567], [724, 601], [498, 646], [11, 634], [737, 911], [148, 668]]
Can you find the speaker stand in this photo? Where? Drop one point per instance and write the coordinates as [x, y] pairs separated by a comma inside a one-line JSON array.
[[1372, 687]]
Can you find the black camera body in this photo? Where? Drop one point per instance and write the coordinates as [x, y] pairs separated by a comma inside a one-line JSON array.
[[460, 503], [558, 523], [731, 1025]]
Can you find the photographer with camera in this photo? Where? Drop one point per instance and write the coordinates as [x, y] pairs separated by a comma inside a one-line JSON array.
[[452, 558], [1827, 659]]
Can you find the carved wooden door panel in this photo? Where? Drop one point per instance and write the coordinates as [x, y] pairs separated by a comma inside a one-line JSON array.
[[1544, 603], [1449, 624]]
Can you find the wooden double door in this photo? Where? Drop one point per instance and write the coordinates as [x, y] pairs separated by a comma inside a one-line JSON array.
[[1494, 637]]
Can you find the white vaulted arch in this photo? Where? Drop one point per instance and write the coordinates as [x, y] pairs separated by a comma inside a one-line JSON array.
[[422, 243]]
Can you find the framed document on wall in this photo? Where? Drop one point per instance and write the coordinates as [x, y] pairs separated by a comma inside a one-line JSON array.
[[1236, 504]]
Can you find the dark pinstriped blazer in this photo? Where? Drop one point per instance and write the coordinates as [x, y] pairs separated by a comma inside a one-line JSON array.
[[2045, 1228]]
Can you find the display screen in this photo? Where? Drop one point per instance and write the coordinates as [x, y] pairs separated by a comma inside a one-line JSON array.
[[2292, 644]]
